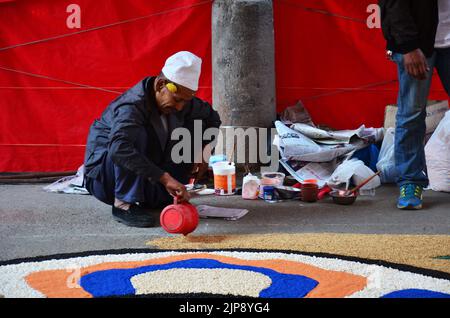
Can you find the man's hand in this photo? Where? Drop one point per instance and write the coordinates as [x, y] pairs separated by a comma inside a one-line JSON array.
[[175, 188], [416, 64]]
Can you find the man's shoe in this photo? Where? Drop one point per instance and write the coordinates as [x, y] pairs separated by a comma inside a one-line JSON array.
[[135, 216], [410, 197]]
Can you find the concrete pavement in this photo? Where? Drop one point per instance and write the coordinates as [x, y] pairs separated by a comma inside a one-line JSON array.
[[35, 223]]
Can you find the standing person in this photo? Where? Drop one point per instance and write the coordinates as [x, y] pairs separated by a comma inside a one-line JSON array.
[[128, 160], [409, 27], [442, 44]]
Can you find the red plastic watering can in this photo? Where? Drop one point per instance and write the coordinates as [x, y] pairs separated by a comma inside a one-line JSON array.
[[179, 218]]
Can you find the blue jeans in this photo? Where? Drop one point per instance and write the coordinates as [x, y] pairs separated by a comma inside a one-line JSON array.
[[443, 67], [410, 124]]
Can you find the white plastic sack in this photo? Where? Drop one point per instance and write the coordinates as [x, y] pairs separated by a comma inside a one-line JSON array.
[[386, 158], [354, 170], [437, 153]]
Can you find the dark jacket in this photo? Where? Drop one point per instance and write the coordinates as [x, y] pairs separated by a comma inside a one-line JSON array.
[[125, 120], [409, 24]]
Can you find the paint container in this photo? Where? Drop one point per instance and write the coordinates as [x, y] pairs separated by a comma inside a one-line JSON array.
[[275, 178], [269, 193], [213, 160], [224, 178], [266, 183], [310, 190], [216, 158], [271, 179], [179, 218]]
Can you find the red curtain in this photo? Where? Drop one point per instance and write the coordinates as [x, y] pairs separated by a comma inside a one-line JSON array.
[[327, 56], [51, 90], [54, 81]]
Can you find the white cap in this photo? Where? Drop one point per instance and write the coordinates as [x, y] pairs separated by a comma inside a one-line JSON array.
[[183, 68]]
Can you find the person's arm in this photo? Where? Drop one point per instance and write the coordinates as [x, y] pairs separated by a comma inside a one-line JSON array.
[[128, 125], [175, 188], [201, 110], [400, 25], [416, 64]]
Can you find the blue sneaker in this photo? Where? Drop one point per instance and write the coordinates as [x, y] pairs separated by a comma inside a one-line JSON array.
[[410, 197]]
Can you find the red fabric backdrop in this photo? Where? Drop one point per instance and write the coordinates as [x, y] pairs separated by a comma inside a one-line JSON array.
[[327, 56], [54, 80]]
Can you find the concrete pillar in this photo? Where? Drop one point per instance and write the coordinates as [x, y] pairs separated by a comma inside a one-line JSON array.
[[243, 62]]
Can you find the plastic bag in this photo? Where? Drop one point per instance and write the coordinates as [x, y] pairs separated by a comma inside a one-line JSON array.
[[369, 155], [69, 184], [250, 187], [356, 171], [386, 158], [437, 154]]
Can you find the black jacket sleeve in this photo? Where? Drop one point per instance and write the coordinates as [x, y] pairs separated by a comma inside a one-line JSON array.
[[128, 125], [201, 110], [398, 24]]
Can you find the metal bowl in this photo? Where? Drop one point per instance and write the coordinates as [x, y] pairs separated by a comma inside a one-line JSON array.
[[342, 199], [287, 193]]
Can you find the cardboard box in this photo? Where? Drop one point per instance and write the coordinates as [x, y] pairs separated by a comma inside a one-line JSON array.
[[435, 112]]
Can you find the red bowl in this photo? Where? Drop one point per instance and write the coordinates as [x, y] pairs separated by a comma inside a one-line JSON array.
[[341, 199]]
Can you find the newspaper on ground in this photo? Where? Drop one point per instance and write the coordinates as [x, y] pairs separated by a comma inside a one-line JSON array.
[[207, 211], [339, 136], [294, 145], [321, 171], [309, 152]]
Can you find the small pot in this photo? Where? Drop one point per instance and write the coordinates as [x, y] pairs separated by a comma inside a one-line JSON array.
[[179, 218], [309, 192], [343, 199]]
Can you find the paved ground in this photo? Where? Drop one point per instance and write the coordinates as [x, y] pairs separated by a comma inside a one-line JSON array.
[[34, 223]]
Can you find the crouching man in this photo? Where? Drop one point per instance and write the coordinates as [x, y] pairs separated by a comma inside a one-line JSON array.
[[128, 162]]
